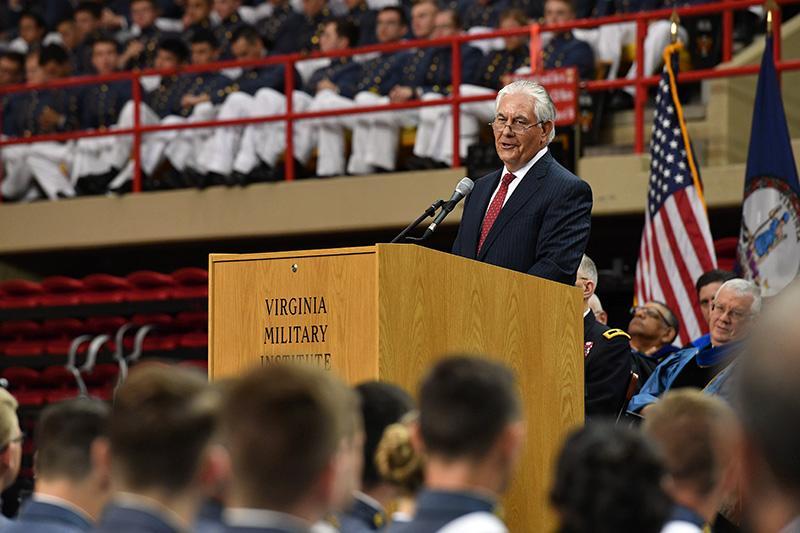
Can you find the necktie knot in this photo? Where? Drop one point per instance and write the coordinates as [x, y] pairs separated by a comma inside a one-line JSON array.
[[508, 178]]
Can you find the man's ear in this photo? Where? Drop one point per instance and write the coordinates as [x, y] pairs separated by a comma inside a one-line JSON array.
[[100, 454], [668, 335], [215, 470], [511, 440], [588, 289]]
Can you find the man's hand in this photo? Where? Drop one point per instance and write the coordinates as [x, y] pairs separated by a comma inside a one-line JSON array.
[[49, 119], [111, 21], [134, 48], [327, 84], [401, 93], [191, 100]]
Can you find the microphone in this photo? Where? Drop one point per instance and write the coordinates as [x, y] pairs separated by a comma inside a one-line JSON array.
[[463, 189]]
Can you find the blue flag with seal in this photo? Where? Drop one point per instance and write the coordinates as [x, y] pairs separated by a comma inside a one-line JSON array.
[[769, 241]]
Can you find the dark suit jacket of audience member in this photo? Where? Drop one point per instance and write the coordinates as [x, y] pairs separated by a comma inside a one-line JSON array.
[[42, 517], [119, 519], [542, 229]]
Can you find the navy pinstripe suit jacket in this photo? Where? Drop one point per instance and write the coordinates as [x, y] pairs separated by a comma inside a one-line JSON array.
[[543, 228]]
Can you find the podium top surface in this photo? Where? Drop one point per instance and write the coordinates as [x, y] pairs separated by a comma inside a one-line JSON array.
[[356, 250]]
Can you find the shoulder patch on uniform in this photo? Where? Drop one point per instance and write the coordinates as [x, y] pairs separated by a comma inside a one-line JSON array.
[[610, 334]]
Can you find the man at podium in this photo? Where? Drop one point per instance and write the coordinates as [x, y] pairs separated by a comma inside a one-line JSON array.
[[533, 215]]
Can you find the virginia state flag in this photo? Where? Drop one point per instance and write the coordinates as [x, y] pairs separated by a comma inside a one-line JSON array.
[[769, 241]]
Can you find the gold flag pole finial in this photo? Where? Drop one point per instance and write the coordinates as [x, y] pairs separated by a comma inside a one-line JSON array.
[[674, 21], [770, 6]]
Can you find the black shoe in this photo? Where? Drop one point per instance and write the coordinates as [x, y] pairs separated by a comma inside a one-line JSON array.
[[213, 178], [621, 101]]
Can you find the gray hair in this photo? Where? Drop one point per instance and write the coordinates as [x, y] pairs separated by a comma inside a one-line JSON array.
[[588, 269], [542, 104], [742, 287], [595, 304]]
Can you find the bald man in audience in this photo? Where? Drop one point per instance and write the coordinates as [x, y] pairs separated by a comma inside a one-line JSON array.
[[697, 435], [768, 404], [11, 438], [284, 426], [73, 484], [163, 460], [735, 306]]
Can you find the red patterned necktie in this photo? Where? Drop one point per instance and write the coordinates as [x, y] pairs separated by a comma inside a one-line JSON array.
[[494, 208]]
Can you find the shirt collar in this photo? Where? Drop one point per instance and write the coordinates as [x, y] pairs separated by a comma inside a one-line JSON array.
[[524, 170], [255, 518], [367, 499], [61, 502]]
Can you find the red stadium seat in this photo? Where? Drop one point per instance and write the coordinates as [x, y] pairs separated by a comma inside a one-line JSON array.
[[192, 320], [104, 324], [20, 329], [58, 377], [62, 346], [62, 327], [192, 283], [27, 348], [101, 375], [21, 378], [149, 285], [61, 291], [195, 339], [19, 293], [105, 288], [29, 398]]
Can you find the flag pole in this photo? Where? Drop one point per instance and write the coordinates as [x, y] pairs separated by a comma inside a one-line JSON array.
[[770, 6]]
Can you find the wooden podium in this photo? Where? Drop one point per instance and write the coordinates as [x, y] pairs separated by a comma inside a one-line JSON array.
[[387, 312]]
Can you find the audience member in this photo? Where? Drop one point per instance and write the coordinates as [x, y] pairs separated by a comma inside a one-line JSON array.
[[696, 435], [564, 49], [401, 465], [768, 405], [608, 480], [597, 308], [363, 18], [32, 30], [229, 23], [197, 16], [736, 304], [471, 432], [73, 484], [382, 404], [653, 328], [11, 438], [284, 427], [280, 29], [163, 461], [707, 285], [315, 12], [87, 18], [606, 354], [141, 51]]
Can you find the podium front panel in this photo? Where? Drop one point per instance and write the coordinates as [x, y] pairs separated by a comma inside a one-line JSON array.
[[317, 308]]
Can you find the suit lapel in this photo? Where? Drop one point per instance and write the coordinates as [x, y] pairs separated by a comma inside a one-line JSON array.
[[480, 196], [522, 194]]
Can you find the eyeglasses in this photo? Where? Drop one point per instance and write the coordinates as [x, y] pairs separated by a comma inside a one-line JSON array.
[[516, 126], [734, 314], [652, 313]]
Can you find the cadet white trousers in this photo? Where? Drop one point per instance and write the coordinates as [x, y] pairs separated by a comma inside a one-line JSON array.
[[46, 163]]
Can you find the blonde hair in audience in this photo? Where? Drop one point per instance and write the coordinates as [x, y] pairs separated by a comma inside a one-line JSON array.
[[9, 423], [397, 461]]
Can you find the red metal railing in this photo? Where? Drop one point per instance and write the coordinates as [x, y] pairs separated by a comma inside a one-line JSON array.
[[641, 82]]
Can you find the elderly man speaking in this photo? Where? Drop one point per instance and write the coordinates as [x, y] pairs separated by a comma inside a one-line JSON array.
[[735, 305], [533, 215]]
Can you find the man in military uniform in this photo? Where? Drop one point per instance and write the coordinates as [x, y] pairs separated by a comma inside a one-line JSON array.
[[378, 77], [161, 105], [437, 83], [281, 27], [493, 73], [380, 132], [87, 24], [563, 49], [230, 21], [606, 353], [482, 13], [197, 16], [315, 13], [100, 106], [238, 100], [140, 52], [39, 112]]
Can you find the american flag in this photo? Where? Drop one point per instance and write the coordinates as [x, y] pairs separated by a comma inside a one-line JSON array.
[[676, 245]]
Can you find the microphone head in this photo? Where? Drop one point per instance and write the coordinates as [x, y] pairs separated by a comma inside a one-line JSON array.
[[465, 186]]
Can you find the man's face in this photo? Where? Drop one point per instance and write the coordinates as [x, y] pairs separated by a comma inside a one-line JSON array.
[[730, 317], [33, 72], [85, 24], [10, 72], [329, 40], [706, 297], [30, 31], [226, 8], [516, 149], [389, 27], [514, 42], [104, 57], [197, 10], [349, 465], [166, 60], [423, 17], [312, 7], [649, 321], [444, 25], [243, 49], [557, 12], [143, 14], [52, 70], [11, 460], [69, 35], [203, 53]]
